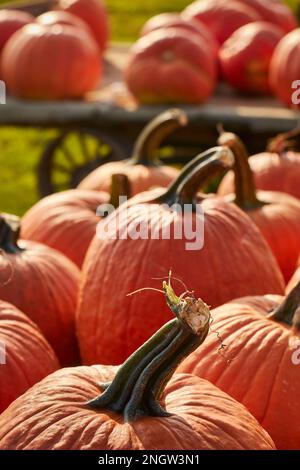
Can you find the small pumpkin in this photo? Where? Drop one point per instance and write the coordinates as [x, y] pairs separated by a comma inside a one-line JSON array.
[[221, 18], [175, 20], [260, 365], [143, 169], [282, 75], [67, 221], [150, 234], [51, 18], [277, 215], [27, 357], [32, 54], [42, 283], [10, 22], [139, 406]]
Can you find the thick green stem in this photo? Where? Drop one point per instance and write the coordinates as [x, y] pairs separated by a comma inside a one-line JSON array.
[[9, 233], [289, 311], [137, 388], [147, 145], [194, 175], [245, 190]]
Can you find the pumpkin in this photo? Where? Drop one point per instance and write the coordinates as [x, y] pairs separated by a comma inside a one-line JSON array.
[[42, 283], [143, 169], [221, 18], [170, 66], [174, 20], [94, 13], [282, 76], [10, 22], [246, 55], [150, 234], [33, 53], [277, 215], [51, 18], [260, 365], [293, 281], [275, 12], [27, 357], [67, 221], [139, 407], [277, 169]]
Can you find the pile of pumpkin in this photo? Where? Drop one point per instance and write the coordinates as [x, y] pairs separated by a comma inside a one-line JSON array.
[[57, 55], [251, 44], [75, 292]]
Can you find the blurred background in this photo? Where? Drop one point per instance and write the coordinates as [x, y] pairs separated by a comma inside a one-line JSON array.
[[21, 148]]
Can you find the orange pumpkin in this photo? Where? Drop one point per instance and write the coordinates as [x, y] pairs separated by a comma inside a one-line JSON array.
[[143, 169], [277, 169], [51, 18], [25, 356], [260, 365], [295, 279], [133, 411], [67, 221], [42, 283], [277, 215], [235, 259]]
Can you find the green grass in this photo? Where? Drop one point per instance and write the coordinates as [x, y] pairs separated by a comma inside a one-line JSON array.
[[20, 148]]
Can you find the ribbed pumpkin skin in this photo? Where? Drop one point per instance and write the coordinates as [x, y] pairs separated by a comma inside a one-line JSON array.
[[285, 68], [272, 172], [235, 261], [66, 221], [29, 358], [52, 416], [31, 55], [279, 223], [10, 22], [275, 12], [261, 375], [43, 283], [222, 18], [141, 178]]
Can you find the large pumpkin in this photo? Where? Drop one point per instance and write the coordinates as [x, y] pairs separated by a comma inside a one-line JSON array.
[[175, 20], [150, 234], [221, 18], [25, 356], [277, 215], [143, 169], [246, 55], [67, 221], [260, 365], [275, 12], [171, 66], [10, 22], [32, 55], [133, 411], [94, 13], [282, 75], [42, 283], [277, 169]]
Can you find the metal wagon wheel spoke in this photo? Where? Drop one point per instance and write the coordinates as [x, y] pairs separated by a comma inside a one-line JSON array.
[[72, 155]]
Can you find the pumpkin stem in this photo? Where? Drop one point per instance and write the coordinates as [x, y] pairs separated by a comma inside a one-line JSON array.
[[245, 190], [138, 386], [150, 139], [281, 143], [9, 233], [289, 311], [194, 175]]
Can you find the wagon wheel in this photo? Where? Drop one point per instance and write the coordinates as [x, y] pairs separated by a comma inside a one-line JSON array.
[[71, 156]]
